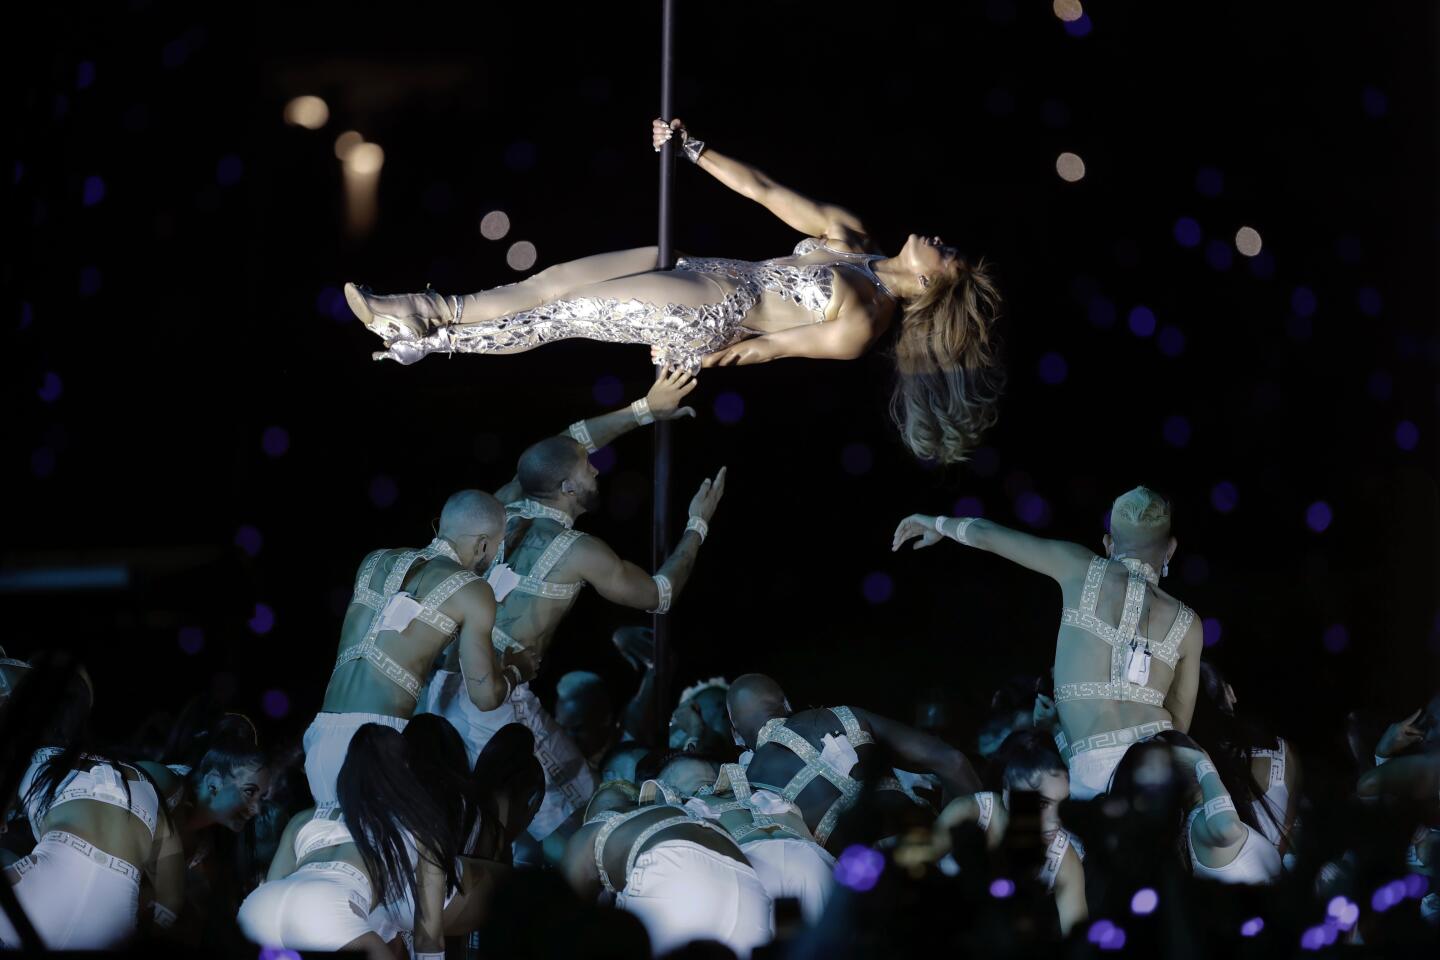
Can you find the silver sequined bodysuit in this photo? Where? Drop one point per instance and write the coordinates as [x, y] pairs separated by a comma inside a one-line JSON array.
[[683, 332]]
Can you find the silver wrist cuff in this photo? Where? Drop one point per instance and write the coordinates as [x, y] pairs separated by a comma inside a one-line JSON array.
[[581, 435], [662, 584], [699, 525], [961, 527], [692, 147], [640, 410]]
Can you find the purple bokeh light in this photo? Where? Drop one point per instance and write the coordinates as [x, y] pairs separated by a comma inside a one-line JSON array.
[[1318, 516], [1101, 313], [1144, 901], [50, 387], [1252, 927], [1219, 254], [729, 407], [1388, 896], [1303, 302], [1211, 630], [1369, 301], [1335, 638], [330, 302], [608, 390], [1407, 435], [229, 170], [859, 868], [275, 703], [1187, 232], [1053, 368], [1171, 341], [263, 620], [384, 491], [1176, 431], [275, 441], [1209, 181], [1416, 885], [1224, 496], [1080, 26], [877, 587], [84, 74], [191, 640], [248, 539], [857, 459], [604, 459], [969, 507], [1001, 888], [277, 953], [1142, 321], [94, 191], [1032, 508]]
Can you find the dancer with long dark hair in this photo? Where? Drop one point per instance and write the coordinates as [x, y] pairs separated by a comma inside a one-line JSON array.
[[832, 298], [390, 841]]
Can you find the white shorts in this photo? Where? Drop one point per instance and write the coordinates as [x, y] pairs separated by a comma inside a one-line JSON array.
[[788, 867], [321, 906], [682, 891], [77, 896], [1090, 772], [326, 742], [569, 781]]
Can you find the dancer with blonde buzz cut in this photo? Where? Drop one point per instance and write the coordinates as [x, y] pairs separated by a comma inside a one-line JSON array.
[[1127, 659]]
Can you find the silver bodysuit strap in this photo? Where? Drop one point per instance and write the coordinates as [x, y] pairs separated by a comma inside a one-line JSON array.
[[534, 583], [733, 780], [774, 730], [613, 821], [853, 730], [363, 594]]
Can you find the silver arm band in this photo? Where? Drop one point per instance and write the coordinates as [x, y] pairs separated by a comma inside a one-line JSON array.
[[699, 525], [1219, 805], [1203, 769], [581, 435], [960, 529], [640, 410], [662, 584]]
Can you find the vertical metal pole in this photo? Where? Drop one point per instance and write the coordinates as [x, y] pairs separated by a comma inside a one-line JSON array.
[[660, 544]]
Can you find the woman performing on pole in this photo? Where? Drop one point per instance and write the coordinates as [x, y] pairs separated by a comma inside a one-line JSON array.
[[832, 298]]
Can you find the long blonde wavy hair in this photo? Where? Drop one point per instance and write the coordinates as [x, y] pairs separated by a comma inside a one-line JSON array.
[[947, 363]]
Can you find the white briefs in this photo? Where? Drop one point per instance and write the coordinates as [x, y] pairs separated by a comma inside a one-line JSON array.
[[77, 896], [326, 742], [682, 891]]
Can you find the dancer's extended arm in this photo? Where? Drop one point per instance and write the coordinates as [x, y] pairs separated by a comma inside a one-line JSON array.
[[916, 750], [1057, 559], [622, 582], [662, 402], [809, 217]]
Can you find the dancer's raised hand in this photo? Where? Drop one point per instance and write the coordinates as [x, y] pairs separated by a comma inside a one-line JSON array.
[[707, 498], [1400, 736], [660, 131], [916, 525], [671, 386]]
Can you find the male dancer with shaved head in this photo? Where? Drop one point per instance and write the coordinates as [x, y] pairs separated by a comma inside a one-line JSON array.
[[1127, 660], [407, 606], [543, 566], [816, 762]]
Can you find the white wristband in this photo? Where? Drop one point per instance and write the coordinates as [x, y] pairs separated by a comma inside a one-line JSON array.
[[439, 955], [939, 528], [699, 525], [640, 410], [961, 527], [662, 584], [1203, 769], [163, 916], [581, 435]]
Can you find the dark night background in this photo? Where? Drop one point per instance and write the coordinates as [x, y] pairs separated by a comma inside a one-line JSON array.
[[165, 319]]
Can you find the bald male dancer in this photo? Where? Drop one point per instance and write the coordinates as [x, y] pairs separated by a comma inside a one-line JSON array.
[[817, 762], [543, 566], [1127, 659], [407, 606]]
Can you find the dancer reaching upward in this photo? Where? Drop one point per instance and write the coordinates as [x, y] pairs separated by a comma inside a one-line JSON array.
[[832, 298]]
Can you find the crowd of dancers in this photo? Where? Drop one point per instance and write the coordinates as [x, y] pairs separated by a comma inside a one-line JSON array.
[[443, 809], [435, 783]]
